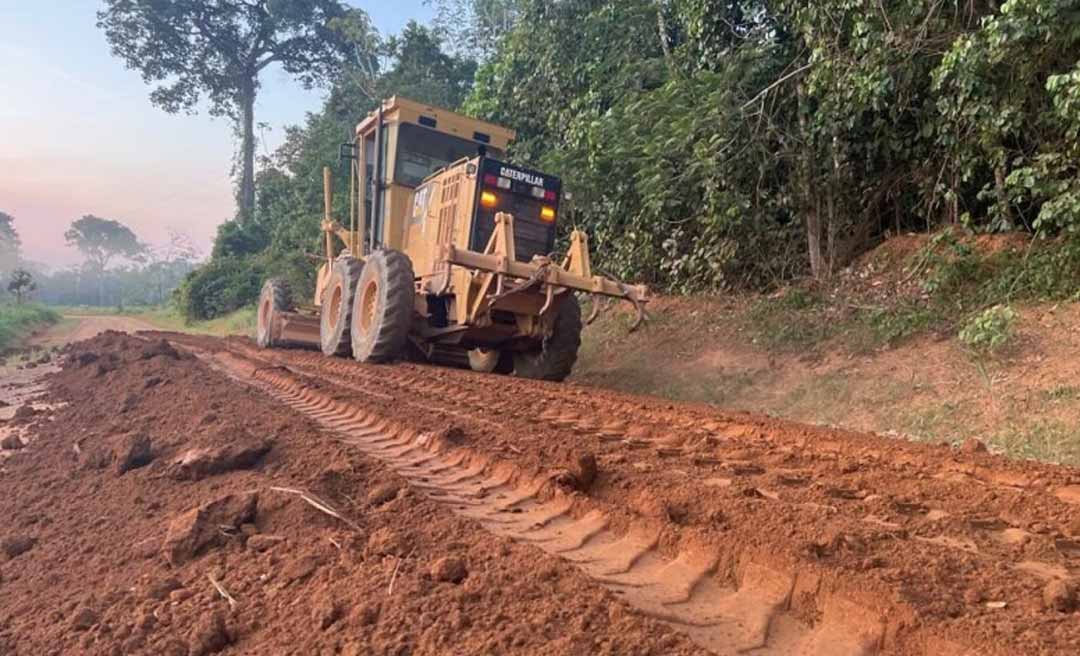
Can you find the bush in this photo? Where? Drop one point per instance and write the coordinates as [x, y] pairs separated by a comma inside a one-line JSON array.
[[219, 287], [17, 320], [989, 330]]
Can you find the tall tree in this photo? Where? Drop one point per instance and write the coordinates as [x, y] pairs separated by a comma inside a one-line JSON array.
[[21, 285], [218, 48], [101, 241], [10, 244]]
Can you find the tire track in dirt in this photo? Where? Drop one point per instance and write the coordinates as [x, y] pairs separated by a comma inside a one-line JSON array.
[[469, 400], [679, 591], [730, 597]]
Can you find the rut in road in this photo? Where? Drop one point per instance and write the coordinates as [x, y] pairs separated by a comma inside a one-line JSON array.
[[678, 589]]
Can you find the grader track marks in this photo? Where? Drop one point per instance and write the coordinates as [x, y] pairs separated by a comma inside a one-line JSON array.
[[681, 590], [746, 535]]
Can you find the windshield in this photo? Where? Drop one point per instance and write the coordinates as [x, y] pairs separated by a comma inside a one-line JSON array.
[[421, 152]]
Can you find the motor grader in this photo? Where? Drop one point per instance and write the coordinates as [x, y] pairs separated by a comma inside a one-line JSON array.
[[448, 255]]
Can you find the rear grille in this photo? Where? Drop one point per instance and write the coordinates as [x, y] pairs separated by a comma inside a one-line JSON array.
[[531, 236], [524, 194]]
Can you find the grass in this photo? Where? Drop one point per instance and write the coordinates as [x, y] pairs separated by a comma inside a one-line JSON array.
[[100, 311], [1061, 393], [790, 322], [18, 321], [240, 322], [1047, 441]]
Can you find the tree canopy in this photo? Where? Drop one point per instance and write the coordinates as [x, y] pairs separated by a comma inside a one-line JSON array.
[[10, 244], [718, 144], [102, 240], [473, 28]]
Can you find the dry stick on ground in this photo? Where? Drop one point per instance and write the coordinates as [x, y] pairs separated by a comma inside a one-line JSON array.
[[321, 506], [222, 591], [393, 577]]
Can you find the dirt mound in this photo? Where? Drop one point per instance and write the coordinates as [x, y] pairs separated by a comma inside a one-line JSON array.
[[337, 554], [896, 269]]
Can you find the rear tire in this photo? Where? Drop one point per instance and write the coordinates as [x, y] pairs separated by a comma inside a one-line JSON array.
[[556, 357], [275, 298], [336, 311], [383, 307]]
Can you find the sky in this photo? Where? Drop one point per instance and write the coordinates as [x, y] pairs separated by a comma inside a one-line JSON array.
[[78, 134]]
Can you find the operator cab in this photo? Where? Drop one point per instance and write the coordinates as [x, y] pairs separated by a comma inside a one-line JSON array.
[[399, 146]]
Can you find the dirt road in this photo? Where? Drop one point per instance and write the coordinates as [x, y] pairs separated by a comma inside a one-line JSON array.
[[407, 509], [20, 382], [89, 325]]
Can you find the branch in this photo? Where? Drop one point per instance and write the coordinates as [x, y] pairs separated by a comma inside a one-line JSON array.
[[775, 84]]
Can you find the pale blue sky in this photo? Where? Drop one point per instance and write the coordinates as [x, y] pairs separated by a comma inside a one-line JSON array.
[[78, 134]]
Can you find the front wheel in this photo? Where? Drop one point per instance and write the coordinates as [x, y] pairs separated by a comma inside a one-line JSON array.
[[336, 311], [383, 307], [555, 359], [274, 300]]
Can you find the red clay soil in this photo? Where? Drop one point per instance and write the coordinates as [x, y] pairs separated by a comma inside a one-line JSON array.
[[436, 511], [95, 577]]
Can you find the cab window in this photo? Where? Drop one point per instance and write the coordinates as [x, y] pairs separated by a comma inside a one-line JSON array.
[[421, 152]]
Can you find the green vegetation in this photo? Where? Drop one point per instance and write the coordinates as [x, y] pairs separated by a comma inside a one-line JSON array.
[[710, 145], [238, 322], [18, 320], [989, 330], [713, 145], [792, 321], [749, 143], [146, 274], [1048, 441]]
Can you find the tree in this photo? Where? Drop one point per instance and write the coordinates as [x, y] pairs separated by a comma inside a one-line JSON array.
[[101, 241], [10, 245], [423, 71], [169, 263], [473, 28], [21, 284], [218, 48]]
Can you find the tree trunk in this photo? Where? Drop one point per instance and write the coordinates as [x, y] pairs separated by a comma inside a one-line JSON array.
[[662, 32], [811, 200], [1001, 189], [813, 239], [247, 151]]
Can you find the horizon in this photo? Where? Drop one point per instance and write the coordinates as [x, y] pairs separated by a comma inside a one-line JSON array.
[[80, 135]]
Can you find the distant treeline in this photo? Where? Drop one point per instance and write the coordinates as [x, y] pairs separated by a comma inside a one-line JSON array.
[[146, 275], [150, 284]]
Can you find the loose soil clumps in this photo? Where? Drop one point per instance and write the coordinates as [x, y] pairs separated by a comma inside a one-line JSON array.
[[121, 538]]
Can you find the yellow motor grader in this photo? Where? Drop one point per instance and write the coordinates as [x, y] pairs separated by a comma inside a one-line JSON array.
[[448, 254]]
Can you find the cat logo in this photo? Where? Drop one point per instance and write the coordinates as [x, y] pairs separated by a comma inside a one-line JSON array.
[[521, 176]]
